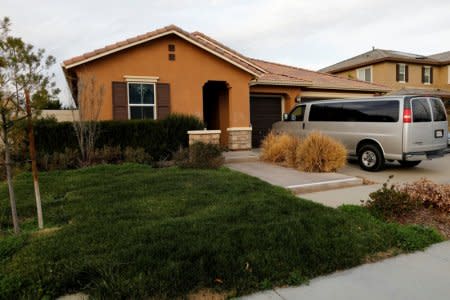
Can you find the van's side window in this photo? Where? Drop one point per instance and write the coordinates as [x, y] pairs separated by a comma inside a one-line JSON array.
[[438, 110], [361, 111], [421, 111], [298, 114], [326, 112]]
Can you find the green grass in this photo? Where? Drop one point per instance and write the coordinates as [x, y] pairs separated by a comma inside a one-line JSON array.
[[130, 231]]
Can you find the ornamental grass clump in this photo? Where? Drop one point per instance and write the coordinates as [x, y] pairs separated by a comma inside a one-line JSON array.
[[280, 148], [320, 153]]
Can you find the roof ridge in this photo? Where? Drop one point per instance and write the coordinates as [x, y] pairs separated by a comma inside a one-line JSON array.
[[246, 59], [356, 56], [126, 41]]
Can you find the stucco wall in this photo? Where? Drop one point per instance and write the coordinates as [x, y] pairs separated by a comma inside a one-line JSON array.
[[192, 68], [385, 73]]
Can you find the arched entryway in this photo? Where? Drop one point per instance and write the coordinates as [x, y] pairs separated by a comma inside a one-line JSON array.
[[215, 107]]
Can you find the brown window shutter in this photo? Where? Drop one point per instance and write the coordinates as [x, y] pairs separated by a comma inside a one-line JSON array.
[[406, 73], [162, 100], [423, 74], [397, 72], [431, 74], [120, 101]]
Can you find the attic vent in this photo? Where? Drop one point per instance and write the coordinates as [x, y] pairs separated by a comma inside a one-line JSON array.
[[171, 47], [172, 56]]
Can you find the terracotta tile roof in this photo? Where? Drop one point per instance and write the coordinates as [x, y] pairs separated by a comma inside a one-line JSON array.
[[264, 72], [379, 55], [228, 54], [318, 79]]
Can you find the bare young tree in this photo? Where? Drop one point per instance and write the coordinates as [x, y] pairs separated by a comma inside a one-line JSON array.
[[89, 101], [22, 73]]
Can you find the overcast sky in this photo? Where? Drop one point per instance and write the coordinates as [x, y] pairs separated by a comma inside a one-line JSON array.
[[307, 33]]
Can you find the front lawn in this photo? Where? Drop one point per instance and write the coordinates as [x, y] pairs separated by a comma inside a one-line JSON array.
[[130, 231]]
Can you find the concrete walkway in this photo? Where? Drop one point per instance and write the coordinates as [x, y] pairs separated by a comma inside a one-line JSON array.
[[297, 181], [338, 197], [421, 275]]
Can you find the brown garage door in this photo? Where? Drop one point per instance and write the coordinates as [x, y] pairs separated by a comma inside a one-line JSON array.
[[264, 111]]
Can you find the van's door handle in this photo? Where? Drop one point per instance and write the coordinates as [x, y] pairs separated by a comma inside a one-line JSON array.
[[303, 125]]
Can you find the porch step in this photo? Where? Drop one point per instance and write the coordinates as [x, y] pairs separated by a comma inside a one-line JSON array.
[[241, 156]]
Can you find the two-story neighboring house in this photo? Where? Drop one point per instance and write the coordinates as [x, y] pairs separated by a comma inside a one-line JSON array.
[[405, 73]]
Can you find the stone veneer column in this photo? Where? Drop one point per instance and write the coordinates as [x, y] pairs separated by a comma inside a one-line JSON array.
[[239, 138], [204, 136]]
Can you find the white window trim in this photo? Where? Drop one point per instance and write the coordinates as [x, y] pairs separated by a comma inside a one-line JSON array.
[[404, 73], [364, 68], [141, 79], [429, 75], [155, 115]]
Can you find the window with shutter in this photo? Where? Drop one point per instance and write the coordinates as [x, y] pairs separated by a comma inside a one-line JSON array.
[[426, 75], [120, 101], [163, 103], [401, 72]]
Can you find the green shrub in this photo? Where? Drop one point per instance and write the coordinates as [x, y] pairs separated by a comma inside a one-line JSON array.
[[158, 138], [177, 125], [388, 202], [107, 155], [69, 159], [200, 156], [137, 155]]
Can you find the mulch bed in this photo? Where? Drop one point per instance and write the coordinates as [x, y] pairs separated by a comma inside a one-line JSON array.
[[429, 217]]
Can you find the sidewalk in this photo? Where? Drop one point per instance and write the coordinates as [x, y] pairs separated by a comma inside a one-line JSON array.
[[421, 275]]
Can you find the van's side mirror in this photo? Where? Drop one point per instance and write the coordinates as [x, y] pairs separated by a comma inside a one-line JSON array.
[[285, 117]]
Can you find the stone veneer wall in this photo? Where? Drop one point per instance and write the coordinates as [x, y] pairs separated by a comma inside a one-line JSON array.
[[204, 136], [239, 138]]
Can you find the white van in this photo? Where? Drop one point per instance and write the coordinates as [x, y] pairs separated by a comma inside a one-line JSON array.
[[404, 128]]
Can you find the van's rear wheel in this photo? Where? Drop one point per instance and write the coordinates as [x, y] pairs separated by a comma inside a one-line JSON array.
[[370, 158], [409, 164]]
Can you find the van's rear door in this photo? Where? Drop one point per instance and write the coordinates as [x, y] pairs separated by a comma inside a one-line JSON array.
[[420, 132], [440, 124]]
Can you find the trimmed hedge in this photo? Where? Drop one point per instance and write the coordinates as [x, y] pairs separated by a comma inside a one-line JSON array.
[[159, 138]]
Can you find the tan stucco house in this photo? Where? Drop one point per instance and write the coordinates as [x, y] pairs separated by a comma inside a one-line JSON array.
[[170, 70], [404, 73]]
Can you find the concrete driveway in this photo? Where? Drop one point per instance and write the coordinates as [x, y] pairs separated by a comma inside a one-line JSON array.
[[437, 170]]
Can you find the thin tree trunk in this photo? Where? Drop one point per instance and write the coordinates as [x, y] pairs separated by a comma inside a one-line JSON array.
[[34, 169], [12, 196]]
